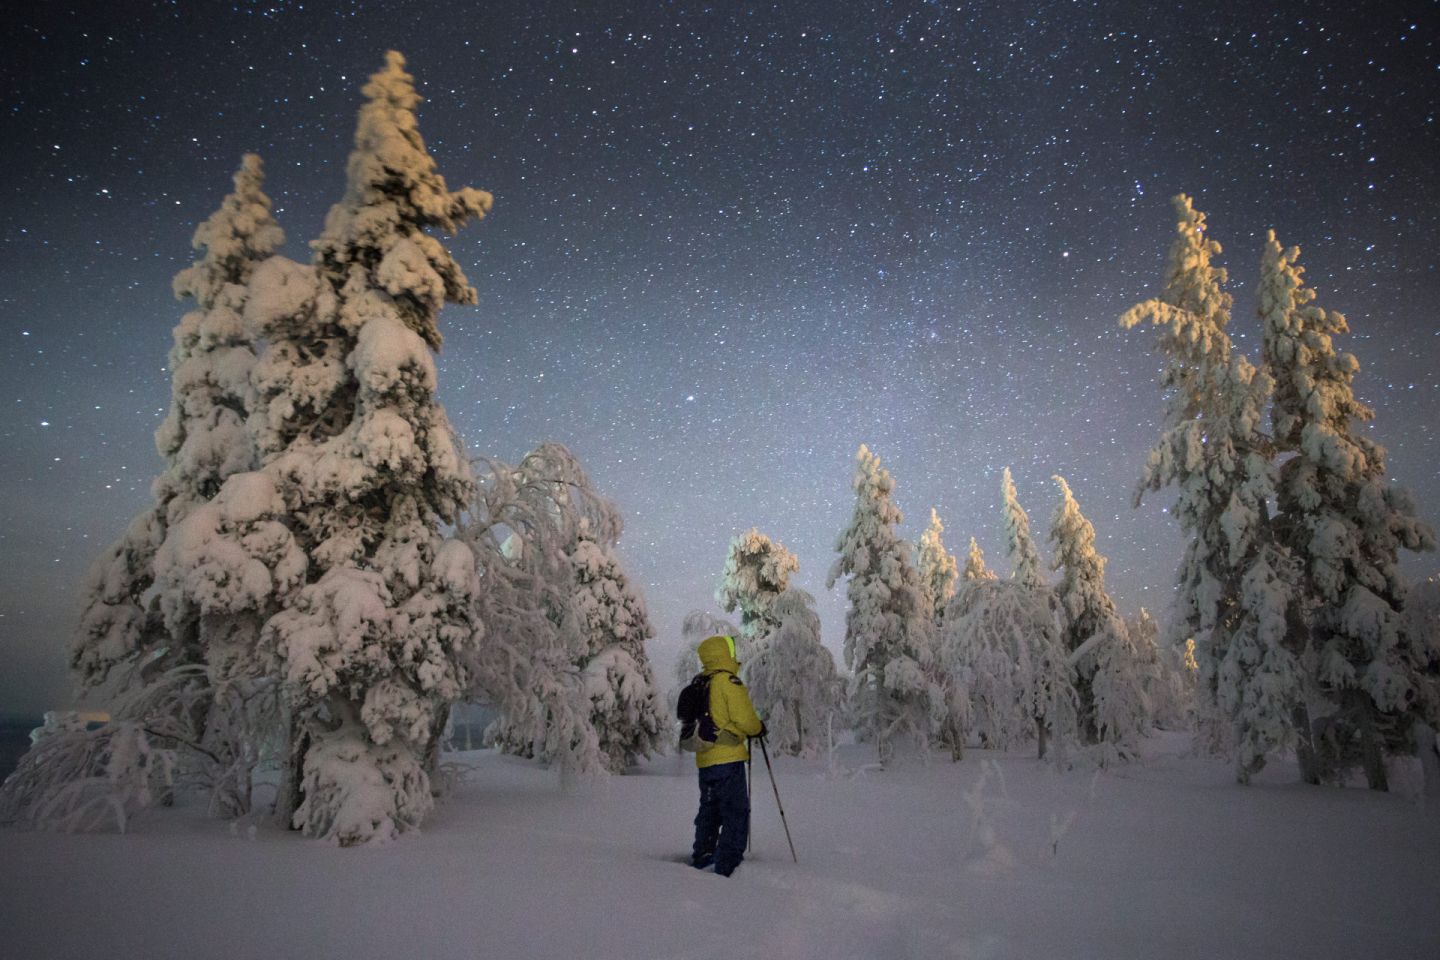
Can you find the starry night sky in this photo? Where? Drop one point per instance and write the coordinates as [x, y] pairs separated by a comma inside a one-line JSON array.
[[730, 243]]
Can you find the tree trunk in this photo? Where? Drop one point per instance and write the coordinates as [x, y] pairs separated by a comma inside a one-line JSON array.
[[1305, 746], [1040, 734], [799, 732], [1372, 755], [1424, 739], [432, 747], [288, 799]]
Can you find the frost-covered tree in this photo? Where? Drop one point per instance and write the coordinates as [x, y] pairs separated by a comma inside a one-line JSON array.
[[1109, 683], [792, 678], [625, 704], [202, 438], [1235, 586], [1168, 671], [522, 528], [374, 648], [1025, 564], [179, 693], [757, 571], [937, 567], [570, 675], [1345, 523], [975, 568], [888, 631], [1002, 639]]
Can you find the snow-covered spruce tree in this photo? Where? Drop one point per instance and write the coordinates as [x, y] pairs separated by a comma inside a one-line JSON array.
[[757, 571], [625, 705], [888, 632], [176, 694], [1235, 586], [1345, 523], [202, 438], [975, 568], [1109, 682], [939, 572], [937, 567], [792, 678], [1003, 640], [373, 648], [1025, 564], [1167, 672]]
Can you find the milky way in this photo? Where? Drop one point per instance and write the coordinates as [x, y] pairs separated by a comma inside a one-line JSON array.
[[729, 245]]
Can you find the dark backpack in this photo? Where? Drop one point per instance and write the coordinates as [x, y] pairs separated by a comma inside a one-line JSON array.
[[697, 730]]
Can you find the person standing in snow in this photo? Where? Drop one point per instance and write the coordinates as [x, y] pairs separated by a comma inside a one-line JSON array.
[[723, 823]]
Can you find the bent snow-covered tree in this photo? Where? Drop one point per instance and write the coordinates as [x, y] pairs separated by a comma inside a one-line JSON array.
[[568, 669], [1003, 640], [1235, 586], [521, 528], [757, 572], [888, 631], [1346, 525], [374, 647]]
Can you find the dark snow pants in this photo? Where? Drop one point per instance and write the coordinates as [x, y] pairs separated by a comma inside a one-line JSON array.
[[723, 823]]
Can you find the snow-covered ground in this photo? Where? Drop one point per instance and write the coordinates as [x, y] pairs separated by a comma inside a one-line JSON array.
[[1164, 858]]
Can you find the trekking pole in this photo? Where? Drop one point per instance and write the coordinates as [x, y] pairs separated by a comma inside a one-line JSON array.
[[783, 822], [749, 780]]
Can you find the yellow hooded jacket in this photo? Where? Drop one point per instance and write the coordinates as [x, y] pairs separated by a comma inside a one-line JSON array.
[[730, 707]]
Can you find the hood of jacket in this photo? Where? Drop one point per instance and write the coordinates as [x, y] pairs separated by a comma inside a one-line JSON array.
[[715, 655]]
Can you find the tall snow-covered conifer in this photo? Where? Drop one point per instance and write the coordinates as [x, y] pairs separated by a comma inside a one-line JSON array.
[[373, 647], [1346, 524], [202, 439], [1235, 587], [1108, 683], [1025, 565], [937, 567], [888, 632], [625, 703]]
